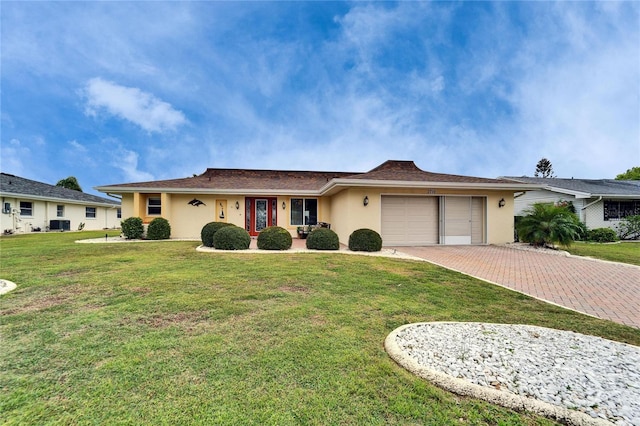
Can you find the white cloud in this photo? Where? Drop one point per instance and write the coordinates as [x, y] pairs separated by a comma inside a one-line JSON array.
[[127, 162], [12, 155], [131, 104]]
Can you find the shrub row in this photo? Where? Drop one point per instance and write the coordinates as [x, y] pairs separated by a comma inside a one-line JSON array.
[[158, 229], [226, 236]]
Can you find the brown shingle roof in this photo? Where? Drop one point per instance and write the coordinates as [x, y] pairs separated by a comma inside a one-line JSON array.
[[278, 180], [408, 171], [229, 179]]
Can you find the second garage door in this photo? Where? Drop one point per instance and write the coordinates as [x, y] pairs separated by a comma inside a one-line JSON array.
[[409, 220]]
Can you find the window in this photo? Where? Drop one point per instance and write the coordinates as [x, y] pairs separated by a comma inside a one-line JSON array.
[[154, 206], [621, 209], [60, 211], [90, 212], [304, 211], [119, 214], [26, 208]]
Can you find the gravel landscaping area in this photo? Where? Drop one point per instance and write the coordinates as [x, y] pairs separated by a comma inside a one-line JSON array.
[[564, 375]]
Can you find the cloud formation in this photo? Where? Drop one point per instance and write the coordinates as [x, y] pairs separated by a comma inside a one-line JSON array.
[[476, 88], [131, 104]]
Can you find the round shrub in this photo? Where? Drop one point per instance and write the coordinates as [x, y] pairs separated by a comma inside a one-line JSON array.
[[159, 229], [231, 238], [365, 240], [323, 239], [132, 228], [209, 230], [602, 235], [274, 238]]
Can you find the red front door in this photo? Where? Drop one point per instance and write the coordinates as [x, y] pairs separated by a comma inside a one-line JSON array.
[[260, 213]]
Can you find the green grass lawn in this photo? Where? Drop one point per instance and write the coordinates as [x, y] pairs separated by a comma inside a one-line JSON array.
[[157, 333], [625, 252]]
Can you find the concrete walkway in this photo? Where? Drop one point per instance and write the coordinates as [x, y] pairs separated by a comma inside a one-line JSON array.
[[602, 289]]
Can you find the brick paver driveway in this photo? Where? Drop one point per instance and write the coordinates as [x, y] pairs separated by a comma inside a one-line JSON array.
[[602, 289]]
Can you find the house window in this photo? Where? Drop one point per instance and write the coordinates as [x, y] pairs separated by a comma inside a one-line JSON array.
[[154, 206], [60, 211], [304, 211], [26, 208], [621, 209], [90, 212], [119, 214]]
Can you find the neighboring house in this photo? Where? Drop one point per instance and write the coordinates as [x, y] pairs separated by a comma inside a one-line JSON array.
[[406, 205], [600, 203], [29, 206]]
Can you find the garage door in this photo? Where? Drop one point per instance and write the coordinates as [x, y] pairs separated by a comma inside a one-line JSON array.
[[409, 220], [463, 220]]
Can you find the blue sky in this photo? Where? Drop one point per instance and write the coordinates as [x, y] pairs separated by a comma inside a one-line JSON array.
[[114, 92]]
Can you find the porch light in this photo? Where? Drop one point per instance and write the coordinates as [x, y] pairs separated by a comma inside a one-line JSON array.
[[501, 203], [365, 201], [237, 205], [284, 206]]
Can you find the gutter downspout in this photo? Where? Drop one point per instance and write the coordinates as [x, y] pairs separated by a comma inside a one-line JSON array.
[[588, 205]]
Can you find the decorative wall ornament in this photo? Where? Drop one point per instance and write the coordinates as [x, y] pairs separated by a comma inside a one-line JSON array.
[[197, 203]]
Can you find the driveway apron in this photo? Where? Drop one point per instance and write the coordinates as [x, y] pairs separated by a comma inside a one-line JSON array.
[[602, 289]]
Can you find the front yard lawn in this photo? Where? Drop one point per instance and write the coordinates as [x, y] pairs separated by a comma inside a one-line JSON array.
[[157, 333], [625, 252]]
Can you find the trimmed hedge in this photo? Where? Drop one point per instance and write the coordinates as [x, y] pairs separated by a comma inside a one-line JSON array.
[[602, 235], [159, 229], [274, 238], [132, 228], [231, 238], [323, 239], [209, 230], [365, 240]]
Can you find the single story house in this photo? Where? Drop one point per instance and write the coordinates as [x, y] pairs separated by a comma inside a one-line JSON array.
[[599, 203], [29, 206], [406, 205]]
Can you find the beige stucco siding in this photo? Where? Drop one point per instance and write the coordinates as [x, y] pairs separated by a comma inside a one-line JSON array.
[[349, 213]]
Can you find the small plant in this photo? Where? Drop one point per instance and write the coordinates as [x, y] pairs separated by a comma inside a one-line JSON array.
[[231, 238], [274, 238], [602, 235], [81, 226], [159, 229], [365, 240], [209, 230], [546, 224], [323, 239], [132, 228], [629, 228]]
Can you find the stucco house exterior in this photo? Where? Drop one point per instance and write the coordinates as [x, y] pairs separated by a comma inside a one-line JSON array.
[[599, 203], [406, 205], [29, 206]]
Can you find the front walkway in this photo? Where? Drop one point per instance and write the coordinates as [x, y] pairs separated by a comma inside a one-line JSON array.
[[602, 289]]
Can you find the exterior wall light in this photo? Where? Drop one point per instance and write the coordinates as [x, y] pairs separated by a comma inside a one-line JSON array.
[[284, 206], [365, 201], [501, 203], [237, 205]]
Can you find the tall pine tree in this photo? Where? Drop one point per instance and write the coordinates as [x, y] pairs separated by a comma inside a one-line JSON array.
[[544, 169]]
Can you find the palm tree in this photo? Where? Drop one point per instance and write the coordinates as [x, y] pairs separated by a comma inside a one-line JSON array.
[[546, 224]]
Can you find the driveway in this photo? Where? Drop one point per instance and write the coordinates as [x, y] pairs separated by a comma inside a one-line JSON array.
[[602, 289]]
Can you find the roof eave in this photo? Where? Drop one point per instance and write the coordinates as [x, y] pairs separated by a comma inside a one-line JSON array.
[[336, 184], [57, 199], [220, 191]]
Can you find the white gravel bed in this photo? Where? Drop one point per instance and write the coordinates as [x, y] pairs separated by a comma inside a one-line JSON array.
[[6, 286], [521, 364]]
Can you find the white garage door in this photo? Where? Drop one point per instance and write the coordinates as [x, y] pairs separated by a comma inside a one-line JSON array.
[[409, 220], [463, 220]]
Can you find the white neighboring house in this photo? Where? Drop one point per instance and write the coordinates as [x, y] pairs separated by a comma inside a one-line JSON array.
[[29, 206], [599, 203]]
